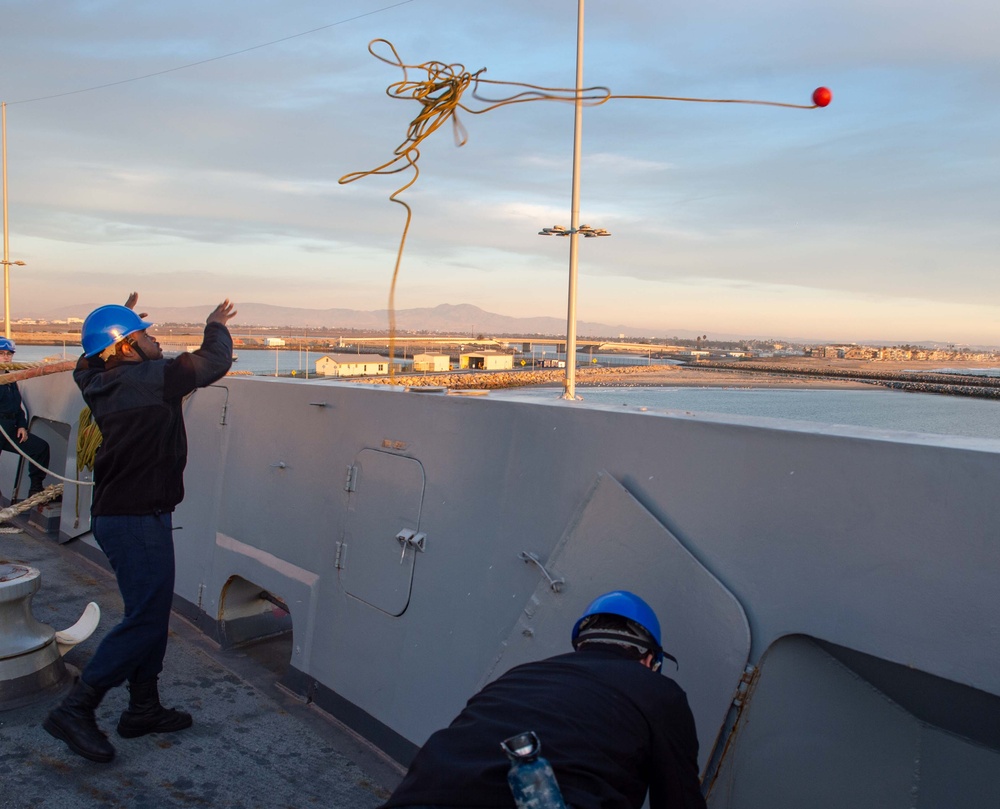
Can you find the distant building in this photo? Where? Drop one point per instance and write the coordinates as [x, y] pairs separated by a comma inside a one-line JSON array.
[[273, 342], [431, 362], [828, 352], [352, 365], [486, 361]]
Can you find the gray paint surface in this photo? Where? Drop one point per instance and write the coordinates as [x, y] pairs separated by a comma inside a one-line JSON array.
[[886, 544]]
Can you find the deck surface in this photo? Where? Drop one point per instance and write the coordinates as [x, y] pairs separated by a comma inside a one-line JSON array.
[[252, 744]]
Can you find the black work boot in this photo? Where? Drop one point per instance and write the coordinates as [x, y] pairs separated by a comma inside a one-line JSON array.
[[73, 722], [145, 714]]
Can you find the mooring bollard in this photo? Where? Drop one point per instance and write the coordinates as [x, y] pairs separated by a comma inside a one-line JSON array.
[[31, 664]]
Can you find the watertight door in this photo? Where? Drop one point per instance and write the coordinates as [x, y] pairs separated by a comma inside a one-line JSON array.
[[614, 543], [381, 538], [196, 518]]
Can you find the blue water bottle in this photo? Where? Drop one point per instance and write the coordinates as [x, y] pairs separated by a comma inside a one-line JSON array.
[[531, 779]]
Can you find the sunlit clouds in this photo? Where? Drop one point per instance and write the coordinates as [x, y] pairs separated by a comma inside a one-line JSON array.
[[872, 219]]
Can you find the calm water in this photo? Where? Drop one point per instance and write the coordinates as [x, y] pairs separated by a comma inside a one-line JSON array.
[[883, 409], [878, 408], [258, 361]]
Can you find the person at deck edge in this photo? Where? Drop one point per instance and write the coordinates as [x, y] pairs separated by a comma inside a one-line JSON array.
[[15, 424], [135, 396], [610, 726]]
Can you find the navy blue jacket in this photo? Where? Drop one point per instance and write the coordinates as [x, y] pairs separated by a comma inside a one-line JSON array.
[[10, 405], [609, 727], [139, 468]]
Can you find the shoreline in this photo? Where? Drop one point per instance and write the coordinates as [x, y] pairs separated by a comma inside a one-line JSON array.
[[780, 376], [685, 377], [629, 376], [786, 373]]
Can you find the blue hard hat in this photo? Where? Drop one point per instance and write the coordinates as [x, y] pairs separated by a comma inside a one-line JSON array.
[[629, 606], [106, 325], [6, 344]]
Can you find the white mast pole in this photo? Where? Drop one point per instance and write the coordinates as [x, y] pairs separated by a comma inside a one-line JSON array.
[[570, 391], [6, 249]]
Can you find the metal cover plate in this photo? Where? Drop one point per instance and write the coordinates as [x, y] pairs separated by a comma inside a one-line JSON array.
[[614, 543]]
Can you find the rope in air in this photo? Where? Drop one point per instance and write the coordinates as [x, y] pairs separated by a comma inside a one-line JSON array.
[[440, 93]]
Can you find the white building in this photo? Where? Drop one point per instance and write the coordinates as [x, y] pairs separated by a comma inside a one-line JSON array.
[[352, 365], [273, 341], [486, 361], [431, 362]]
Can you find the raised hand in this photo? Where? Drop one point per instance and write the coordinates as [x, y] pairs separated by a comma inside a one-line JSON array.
[[222, 313], [133, 299]]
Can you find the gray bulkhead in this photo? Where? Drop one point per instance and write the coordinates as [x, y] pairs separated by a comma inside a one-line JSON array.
[[423, 543]]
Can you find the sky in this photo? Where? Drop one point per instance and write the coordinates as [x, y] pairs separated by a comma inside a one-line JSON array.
[[873, 219]]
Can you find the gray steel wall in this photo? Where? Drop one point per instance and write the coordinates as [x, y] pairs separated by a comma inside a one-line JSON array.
[[882, 543]]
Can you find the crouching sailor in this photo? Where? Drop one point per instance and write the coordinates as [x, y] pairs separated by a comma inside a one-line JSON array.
[[135, 396], [611, 726]]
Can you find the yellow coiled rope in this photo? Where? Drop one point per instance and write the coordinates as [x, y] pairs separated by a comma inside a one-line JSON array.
[[88, 441], [439, 92]]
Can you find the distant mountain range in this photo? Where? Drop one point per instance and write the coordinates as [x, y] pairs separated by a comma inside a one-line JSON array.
[[447, 319], [458, 319]]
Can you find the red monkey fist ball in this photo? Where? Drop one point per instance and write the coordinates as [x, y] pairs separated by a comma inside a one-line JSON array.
[[822, 96]]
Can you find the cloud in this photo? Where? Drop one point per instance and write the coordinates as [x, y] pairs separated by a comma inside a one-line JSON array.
[[232, 166]]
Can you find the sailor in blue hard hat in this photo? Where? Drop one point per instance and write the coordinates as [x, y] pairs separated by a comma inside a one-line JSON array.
[[613, 730], [118, 328], [639, 632], [135, 396]]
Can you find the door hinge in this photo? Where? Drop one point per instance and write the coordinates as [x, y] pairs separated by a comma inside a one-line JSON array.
[[225, 412], [351, 484], [746, 680], [338, 562]]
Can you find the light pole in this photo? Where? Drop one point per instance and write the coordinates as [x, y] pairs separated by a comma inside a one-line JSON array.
[[574, 226], [6, 286], [6, 247], [572, 232]]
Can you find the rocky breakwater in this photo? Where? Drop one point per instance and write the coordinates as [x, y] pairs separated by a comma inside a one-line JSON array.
[[986, 387], [490, 380]]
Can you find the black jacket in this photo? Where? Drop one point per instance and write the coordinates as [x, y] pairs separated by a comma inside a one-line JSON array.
[[139, 467], [609, 727], [10, 405]]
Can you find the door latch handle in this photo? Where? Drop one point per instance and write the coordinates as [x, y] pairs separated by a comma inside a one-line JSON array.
[[409, 538]]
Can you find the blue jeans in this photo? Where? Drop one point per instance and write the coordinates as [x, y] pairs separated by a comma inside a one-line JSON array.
[[141, 552]]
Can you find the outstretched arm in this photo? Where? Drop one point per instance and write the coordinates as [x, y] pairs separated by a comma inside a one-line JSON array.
[[207, 364]]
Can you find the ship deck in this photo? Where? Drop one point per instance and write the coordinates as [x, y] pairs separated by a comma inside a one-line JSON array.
[[253, 744]]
